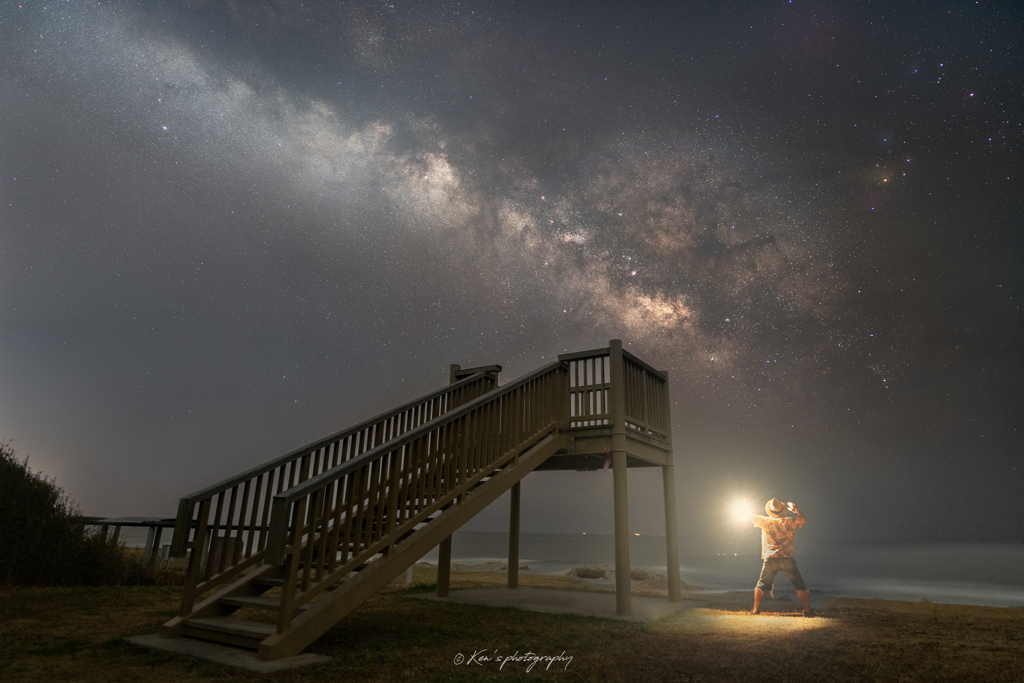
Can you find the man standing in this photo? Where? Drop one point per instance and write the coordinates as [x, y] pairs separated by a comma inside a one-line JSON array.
[[777, 537]]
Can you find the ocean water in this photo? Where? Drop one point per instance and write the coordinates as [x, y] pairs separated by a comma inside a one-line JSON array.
[[955, 574]]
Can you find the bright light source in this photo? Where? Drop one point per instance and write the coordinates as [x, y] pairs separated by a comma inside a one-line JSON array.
[[740, 510]]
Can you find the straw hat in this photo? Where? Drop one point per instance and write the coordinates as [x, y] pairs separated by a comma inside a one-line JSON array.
[[774, 507]]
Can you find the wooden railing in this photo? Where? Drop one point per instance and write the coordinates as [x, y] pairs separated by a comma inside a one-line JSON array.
[[645, 396], [334, 523], [645, 393], [234, 537], [589, 385]]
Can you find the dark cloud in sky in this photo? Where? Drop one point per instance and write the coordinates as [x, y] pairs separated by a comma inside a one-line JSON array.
[[229, 228]]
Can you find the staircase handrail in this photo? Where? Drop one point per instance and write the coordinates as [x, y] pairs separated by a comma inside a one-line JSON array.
[[278, 532], [366, 508], [187, 504]]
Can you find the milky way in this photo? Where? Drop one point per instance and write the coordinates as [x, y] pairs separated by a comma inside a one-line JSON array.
[[246, 214]]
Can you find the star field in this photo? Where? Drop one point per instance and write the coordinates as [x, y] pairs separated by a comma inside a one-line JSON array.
[[229, 228]]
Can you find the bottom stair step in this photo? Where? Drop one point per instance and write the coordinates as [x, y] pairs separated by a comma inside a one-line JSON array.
[[259, 602], [229, 631], [277, 583]]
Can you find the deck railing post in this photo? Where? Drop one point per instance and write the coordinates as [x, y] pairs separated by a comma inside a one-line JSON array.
[[623, 602]]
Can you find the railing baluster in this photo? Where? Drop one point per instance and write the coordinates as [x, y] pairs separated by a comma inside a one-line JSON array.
[[371, 498], [415, 476], [426, 453], [490, 437], [336, 512], [271, 476], [588, 393], [214, 534], [438, 461], [225, 547], [188, 595], [321, 528], [249, 546], [455, 463], [405, 474], [472, 446], [309, 529], [239, 535], [345, 541], [291, 573], [384, 495], [359, 511]]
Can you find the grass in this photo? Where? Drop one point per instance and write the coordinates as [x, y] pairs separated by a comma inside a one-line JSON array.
[[78, 634]]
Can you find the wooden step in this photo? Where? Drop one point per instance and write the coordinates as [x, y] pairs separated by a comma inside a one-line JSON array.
[[268, 583], [326, 567], [259, 602], [237, 632], [277, 583]]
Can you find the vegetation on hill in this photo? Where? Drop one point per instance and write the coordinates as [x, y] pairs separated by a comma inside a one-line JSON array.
[[45, 541]]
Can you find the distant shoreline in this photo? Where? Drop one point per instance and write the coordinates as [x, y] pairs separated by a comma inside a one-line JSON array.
[[975, 574]]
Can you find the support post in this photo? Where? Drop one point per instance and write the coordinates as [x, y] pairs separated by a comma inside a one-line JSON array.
[[513, 536], [156, 545], [668, 473], [444, 567], [444, 549], [147, 551], [617, 410]]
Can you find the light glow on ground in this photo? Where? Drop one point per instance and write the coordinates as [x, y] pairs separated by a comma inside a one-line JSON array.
[[743, 623]]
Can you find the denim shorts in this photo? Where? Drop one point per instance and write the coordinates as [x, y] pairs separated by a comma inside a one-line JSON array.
[[773, 566]]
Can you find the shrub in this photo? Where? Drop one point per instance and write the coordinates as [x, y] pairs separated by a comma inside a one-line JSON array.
[[590, 571], [44, 540]]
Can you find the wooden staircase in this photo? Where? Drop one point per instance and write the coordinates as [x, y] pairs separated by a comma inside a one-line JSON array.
[[306, 538]]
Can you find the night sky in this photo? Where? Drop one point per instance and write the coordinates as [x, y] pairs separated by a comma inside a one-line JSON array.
[[229, 228]]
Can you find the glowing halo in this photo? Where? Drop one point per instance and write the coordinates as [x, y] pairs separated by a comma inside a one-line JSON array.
[[740, 510]]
